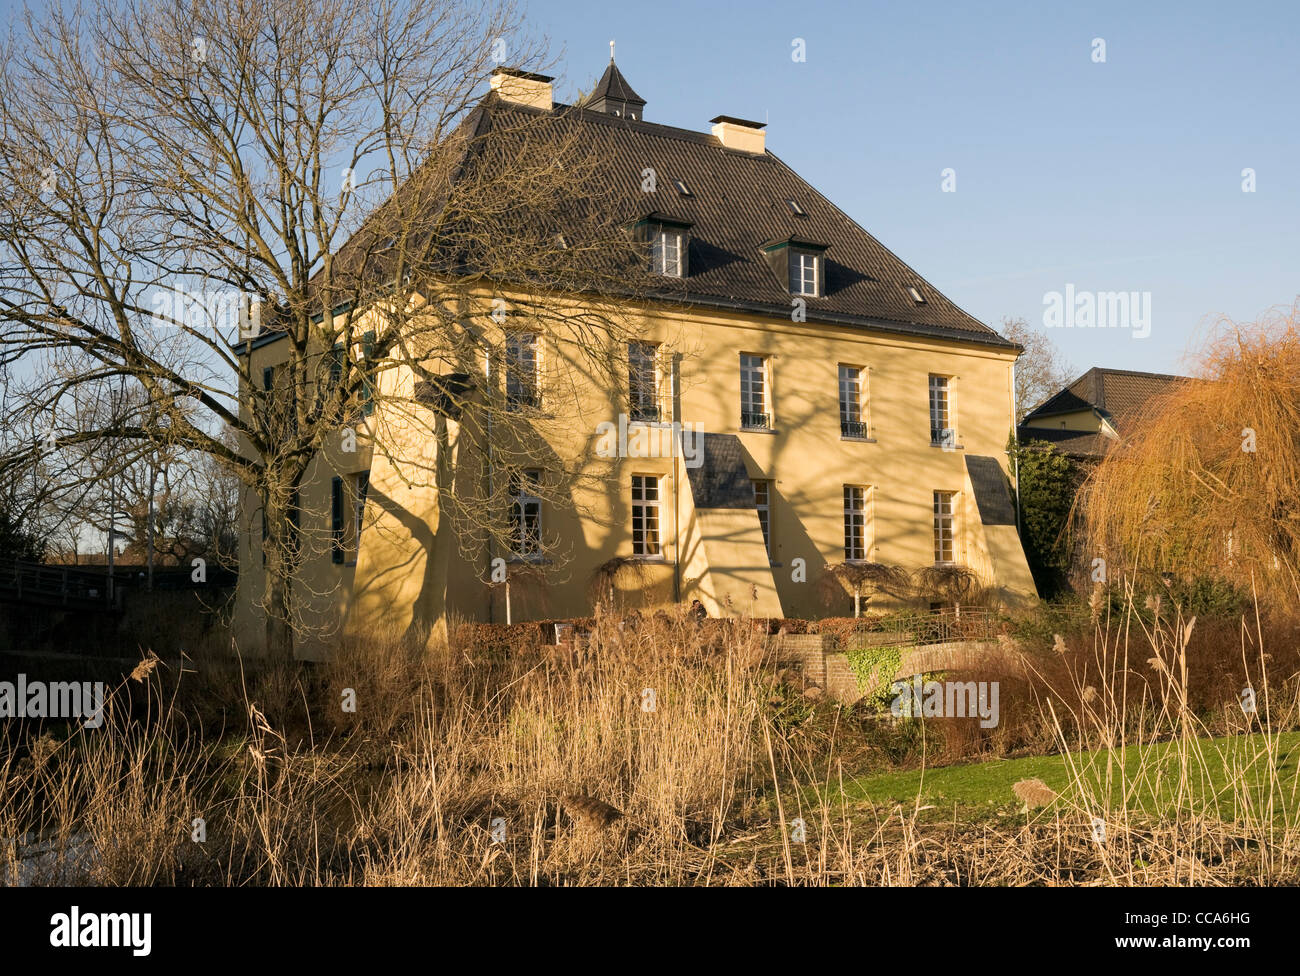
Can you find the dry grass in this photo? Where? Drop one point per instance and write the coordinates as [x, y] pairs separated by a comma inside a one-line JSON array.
[[554, 766]]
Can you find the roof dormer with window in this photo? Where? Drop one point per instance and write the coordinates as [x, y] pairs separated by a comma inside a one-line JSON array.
[[667, 241], [799, 264]]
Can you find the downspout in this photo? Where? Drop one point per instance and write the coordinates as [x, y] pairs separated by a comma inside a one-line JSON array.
[[487, 387], [674, 377], [1015, 452]]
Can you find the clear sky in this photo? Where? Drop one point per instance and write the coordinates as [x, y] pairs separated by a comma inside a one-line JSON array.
[[1122, 175]]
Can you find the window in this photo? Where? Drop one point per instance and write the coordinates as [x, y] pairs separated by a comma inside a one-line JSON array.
[[368, 379], [803, 273], [942, 433], [682, 188], [795, 209], [852, 416], [643, 381], [855, 523], [268, 378], [525, 514], [943, 526], [521, 371], [345, 526], [645, 515], [666, 252], [916, 294], [753, 392], [763, 502]]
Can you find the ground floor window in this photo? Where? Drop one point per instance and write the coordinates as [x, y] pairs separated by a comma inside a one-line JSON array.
[[855, 522], [347, 514], [763, 502], [943, 526], [526, 514], [645, 515]]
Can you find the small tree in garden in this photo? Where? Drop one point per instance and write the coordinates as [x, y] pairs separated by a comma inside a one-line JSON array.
[[1049, 482], [948, 584], [862, 579]]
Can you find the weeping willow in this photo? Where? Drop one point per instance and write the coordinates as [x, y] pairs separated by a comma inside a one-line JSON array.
[[1209, 485]]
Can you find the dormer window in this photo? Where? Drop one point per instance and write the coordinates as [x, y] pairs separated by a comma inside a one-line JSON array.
[[799, 264], [666, 245], [805, 272], [667, 242]]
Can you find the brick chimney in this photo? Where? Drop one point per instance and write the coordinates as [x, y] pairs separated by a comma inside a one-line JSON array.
[[523, 88], [740, 134]]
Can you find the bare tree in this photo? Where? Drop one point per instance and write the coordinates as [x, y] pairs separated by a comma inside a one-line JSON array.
[[1041, 369], [183, 178]]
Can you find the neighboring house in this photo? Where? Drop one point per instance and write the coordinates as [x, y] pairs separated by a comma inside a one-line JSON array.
[[1096, 411], [873, 430]]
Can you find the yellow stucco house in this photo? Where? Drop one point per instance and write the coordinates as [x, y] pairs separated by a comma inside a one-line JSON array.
[[801, 398]]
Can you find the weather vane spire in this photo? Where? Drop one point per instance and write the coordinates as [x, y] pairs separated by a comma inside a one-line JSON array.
[[611, 50]]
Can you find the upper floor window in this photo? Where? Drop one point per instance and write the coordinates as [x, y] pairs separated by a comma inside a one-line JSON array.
[[804, 272], [521, 371], [525, 514], [853, 418], [666, 244], [643, 381], [942, 432], [754, 399]]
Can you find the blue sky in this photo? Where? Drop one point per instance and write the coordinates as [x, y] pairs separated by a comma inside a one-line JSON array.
[[1117, 176]]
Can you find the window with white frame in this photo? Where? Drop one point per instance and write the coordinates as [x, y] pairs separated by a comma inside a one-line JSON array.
[[763, 503], [944, 526], [645, 515], [521, 370], [942, 432], [526, 514], [754, 400], [666, 252], [856, 498], [853, 419], [643, 380], [803, 272]]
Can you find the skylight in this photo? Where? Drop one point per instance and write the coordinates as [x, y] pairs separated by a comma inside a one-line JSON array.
[[682, 188], [916, 294], [795, 209]]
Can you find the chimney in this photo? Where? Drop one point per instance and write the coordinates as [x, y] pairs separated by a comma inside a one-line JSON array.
[[740, 134], [522, 88]]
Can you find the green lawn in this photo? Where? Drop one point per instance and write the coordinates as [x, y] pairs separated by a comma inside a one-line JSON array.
[[1229, 777]]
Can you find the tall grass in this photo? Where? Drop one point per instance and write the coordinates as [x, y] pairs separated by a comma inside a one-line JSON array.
[[656, 751]]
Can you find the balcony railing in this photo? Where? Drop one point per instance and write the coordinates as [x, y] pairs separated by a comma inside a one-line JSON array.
[[755, 421], [853, 428]]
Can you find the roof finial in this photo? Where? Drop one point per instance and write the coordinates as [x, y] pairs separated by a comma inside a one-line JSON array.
[[611, 52]]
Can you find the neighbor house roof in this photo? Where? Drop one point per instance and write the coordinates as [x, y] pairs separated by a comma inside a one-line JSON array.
[[1121, 394], [1120, 397]]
